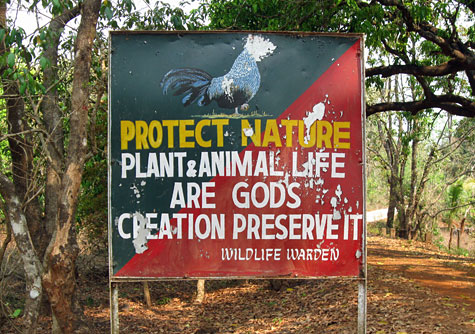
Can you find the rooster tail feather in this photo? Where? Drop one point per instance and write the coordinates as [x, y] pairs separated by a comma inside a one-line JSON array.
[[189, 81]]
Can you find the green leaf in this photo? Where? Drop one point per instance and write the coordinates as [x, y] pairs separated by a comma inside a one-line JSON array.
[[42, 88], [44, 62], [23, 87], [11, 59], [108, 13], [15, 313]]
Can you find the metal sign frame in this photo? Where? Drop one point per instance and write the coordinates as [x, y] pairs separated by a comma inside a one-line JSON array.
[[114, 279]]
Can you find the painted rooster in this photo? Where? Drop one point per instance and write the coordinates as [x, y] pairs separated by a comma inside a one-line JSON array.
[[232, 90]]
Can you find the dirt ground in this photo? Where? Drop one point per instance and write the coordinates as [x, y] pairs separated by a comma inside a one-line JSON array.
[[412, 288], [447, 275]]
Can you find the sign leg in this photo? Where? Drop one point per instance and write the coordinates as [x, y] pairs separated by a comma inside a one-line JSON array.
[[114, 307], [362, 306]]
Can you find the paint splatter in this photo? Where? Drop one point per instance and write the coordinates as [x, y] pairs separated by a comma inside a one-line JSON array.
[[318, 111], [259, 47], [140, 242], [248, 132], [227, 86], [136, 191], [338, 192]]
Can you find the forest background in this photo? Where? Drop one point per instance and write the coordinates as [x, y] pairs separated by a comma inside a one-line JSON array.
[[420, 83]]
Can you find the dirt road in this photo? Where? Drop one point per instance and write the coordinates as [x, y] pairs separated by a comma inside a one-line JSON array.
[[446, 275]]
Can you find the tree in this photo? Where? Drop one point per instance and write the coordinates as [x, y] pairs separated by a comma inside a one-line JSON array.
[[460, 182], [40, 195], [437, 30], [425, 47], [54, 96], [421, 154], [389, 131]]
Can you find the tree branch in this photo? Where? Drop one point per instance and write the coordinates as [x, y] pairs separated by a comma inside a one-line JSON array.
[[425, 30], [469, 3], [452, 208], [453, 104], [452, 66]]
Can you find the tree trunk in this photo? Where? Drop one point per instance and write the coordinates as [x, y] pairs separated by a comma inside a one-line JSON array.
[[53, 119], [458, 238], [31, 264], [403, 226], [462, 227], [392, 203], [451, 232], [59, 279], [413, 192], [392, 155], [25, 222], [421, 226], [21, 148]]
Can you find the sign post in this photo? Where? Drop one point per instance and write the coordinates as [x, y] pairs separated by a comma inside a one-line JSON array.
[[237, 155]]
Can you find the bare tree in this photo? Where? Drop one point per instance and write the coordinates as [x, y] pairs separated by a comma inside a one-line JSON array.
[[45, 234]]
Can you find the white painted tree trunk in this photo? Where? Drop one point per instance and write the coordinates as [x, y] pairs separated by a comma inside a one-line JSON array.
[[31, 263]]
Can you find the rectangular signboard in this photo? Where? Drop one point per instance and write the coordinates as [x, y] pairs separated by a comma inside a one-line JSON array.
[[235, 155]]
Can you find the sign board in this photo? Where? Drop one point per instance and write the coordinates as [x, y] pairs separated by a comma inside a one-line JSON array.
[[235, 155]]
